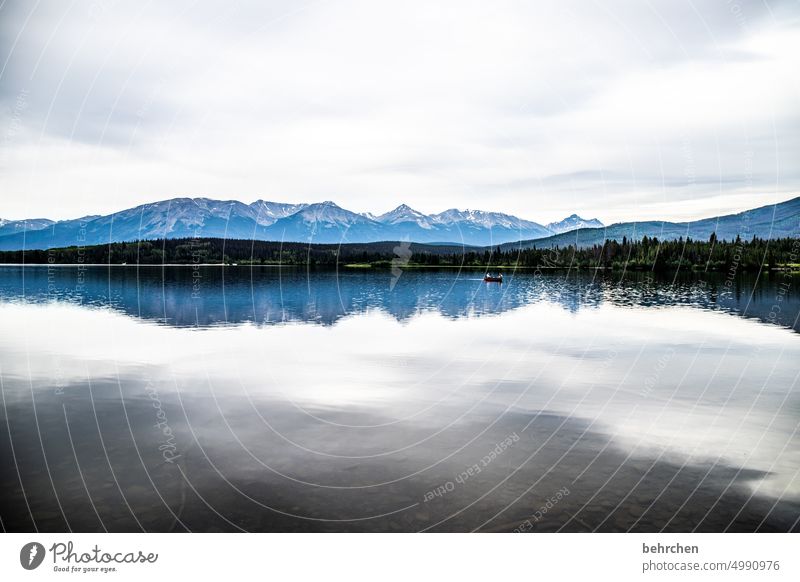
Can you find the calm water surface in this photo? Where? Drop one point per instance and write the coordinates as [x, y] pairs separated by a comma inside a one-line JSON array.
[[265, 399]]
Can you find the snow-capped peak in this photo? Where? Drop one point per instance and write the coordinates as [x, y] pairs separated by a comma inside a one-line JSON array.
[[573, 222], [329, 212], [483, 219], [405, 213], [26, 224], [267, 212]]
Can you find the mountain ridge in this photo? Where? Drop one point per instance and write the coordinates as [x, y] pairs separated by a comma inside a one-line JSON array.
[[321, 222], [770, 221], [328, 223]]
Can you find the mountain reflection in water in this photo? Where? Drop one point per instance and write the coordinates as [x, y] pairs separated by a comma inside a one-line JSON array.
[[209, 296]]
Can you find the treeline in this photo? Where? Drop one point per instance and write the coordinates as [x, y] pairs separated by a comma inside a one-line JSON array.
[[645, 254], [649, 253], [218, 250]]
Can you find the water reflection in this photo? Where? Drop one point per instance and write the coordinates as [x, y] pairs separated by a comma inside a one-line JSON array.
[[211, 296], [376, 410]]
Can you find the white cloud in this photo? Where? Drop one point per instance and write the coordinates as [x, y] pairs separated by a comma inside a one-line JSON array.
[[612, 109]]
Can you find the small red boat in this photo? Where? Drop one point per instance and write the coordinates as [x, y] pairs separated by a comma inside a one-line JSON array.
[[487, 278]]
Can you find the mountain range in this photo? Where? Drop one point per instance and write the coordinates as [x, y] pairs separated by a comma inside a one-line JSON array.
[[326, 222], [323, 222]]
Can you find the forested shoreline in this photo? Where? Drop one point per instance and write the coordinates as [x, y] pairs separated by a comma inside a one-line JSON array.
[[645, 254]]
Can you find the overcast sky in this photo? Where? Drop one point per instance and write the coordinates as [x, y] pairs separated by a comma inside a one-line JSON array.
[[611, 109]]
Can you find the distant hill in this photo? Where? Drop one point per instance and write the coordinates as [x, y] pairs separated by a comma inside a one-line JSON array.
[[768, 222]]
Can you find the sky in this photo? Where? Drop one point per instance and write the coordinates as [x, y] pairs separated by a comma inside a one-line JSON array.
[[613, 109]]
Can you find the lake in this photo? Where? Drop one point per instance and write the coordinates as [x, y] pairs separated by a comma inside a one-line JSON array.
[[286, 399]]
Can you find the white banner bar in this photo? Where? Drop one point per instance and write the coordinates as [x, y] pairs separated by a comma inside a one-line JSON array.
[[401, 557]]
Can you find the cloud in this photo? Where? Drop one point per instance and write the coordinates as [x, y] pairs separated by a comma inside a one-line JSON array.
[[610, 108]]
